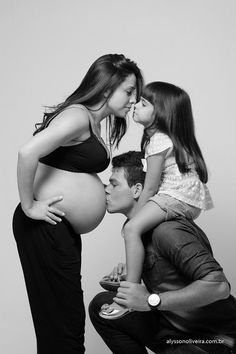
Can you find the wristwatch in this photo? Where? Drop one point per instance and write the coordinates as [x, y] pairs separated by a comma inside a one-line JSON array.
[[154, 301]]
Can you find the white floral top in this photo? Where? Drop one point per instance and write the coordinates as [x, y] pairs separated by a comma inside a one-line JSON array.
[[186, 187]]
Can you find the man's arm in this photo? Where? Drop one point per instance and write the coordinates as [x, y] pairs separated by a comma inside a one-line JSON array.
[[197, 294], [187, 249]]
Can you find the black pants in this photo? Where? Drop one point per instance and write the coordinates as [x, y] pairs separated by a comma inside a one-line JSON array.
[[51, 261], [136, 331]]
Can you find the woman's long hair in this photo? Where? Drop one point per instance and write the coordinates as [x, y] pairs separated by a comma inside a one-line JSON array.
[[173, 116], [104, 75]]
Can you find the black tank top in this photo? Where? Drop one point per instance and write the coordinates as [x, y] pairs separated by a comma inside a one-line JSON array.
[[89, 156]]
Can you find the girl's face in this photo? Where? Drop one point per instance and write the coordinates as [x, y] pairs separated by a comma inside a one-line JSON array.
[[123, 97], [143, 112]]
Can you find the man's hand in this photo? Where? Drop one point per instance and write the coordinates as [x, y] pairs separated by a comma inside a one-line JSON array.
[[132, 295], [117, 272]]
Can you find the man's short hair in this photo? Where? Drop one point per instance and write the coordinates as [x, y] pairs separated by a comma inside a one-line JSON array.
[[133, 168]]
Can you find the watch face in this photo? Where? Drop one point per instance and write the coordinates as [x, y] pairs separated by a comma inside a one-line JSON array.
[[154, 300]]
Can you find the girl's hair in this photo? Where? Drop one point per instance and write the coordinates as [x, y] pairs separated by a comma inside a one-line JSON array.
[[104, 75], [173, 116]]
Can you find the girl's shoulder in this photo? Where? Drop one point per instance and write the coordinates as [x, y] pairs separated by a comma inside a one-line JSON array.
[[159, 142]]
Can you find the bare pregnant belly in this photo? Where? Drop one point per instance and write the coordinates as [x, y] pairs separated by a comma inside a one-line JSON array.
[[84, 201]]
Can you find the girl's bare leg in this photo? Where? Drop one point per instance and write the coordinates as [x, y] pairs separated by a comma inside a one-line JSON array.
[[147, 218]]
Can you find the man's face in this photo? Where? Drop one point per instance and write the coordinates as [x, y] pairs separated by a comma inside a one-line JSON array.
[[120, 197]]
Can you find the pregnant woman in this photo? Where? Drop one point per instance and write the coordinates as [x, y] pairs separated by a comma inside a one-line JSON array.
[[62, 196]]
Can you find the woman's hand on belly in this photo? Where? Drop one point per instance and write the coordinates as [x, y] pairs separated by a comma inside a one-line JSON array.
[[44, 210], [84, 199]]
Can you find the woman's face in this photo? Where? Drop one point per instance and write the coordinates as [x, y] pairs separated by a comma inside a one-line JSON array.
[[143, 112], [123, 97]]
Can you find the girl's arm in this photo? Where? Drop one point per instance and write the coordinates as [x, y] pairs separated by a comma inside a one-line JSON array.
[[152, 179], [70, 124]]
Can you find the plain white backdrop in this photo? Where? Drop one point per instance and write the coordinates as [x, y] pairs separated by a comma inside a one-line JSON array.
[[46, 48]]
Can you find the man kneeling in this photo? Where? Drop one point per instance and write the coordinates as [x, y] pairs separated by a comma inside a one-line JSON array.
[[184, 304]]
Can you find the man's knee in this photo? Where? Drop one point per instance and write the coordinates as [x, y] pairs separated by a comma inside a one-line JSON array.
[[96, 303], [105, 297]]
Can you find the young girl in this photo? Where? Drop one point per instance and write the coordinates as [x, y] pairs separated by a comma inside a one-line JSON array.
[[176, 173]]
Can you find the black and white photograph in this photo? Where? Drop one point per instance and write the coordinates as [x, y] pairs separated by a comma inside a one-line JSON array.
[[118, 177]]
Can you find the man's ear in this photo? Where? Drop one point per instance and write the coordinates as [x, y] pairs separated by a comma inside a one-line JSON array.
[[137, 190]]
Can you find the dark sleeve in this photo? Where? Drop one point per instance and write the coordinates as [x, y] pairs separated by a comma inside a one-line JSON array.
[[187, 248]]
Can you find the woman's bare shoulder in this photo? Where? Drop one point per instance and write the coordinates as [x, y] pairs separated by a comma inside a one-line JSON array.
[[74, 116]]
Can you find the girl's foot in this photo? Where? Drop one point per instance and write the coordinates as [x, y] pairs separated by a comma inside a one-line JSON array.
[[113, 311], [111, 285]]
